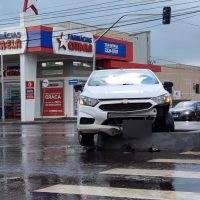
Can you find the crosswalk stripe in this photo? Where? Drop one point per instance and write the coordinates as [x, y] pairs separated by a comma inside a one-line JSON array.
[[178, 161], [119, 192], [196, 153], [153, 172]]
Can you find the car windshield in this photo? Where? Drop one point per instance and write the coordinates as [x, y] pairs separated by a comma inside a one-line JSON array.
[[122, 77], [185, 105]]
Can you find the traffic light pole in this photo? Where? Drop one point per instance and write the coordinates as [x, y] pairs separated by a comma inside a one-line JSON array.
[[95, 40], [2, 91]]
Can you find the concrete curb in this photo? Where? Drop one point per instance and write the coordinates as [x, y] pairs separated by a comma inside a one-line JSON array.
[[165, 141], [42, 121]]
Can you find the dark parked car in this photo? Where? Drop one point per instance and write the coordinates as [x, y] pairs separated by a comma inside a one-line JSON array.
[[186, 110]]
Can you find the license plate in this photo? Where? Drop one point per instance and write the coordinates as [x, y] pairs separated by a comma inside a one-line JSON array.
[[137, 128]]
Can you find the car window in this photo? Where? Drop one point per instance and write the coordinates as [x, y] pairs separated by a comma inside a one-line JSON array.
[[186, 105], [198, 106], [122, 77]]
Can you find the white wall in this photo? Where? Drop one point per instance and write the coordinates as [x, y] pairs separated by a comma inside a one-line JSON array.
[[141, 47], [28, 66]]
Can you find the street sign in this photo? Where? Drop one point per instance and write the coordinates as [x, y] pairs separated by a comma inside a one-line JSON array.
[[30, 84], [45, 83], [73, 82]]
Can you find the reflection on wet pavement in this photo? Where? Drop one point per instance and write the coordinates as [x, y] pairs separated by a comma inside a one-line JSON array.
[[38, 156]]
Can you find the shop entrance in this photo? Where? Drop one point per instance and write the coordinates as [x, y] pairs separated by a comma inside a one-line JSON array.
[[12, 100]]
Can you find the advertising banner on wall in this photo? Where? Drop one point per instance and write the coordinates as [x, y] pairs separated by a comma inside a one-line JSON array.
[[72, 42], [13, 40], [30, 90], [111, 48], [53, 99]]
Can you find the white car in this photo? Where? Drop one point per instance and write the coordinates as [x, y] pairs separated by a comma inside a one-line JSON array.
[[112, 97]]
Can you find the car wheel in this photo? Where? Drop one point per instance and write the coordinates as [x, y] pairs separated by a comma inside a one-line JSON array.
[[164, 123], [86, 139], [169, 122], [192, 118]]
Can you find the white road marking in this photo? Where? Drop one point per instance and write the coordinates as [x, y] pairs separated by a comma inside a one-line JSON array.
[[177, 161], [11, 179], [119, 192], [153, 172], [196, 153]]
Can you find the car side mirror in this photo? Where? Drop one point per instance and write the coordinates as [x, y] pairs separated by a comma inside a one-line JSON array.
[[78, 87], [168, 86]]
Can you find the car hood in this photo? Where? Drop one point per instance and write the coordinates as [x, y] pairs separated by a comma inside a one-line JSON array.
[[123, 91], [181, 109]]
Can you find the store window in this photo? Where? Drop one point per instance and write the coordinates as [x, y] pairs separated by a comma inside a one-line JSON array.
[[12, 100], [81, 69], [53, 68], [81, 64], [52, 64]]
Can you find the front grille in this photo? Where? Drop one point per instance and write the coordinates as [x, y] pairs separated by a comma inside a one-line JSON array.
[[125, 107], [176, 113]]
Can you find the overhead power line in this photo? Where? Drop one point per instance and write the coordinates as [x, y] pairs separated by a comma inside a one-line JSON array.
[[75, 12], [151, 8], [100, 27], [160, 24], [68, 6], [144, 9], [122, 25], [194, 25]]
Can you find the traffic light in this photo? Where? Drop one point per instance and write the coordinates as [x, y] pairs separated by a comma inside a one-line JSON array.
[[166, 15]]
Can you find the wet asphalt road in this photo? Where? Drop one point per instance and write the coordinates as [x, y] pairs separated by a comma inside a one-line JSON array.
[[37, 156]]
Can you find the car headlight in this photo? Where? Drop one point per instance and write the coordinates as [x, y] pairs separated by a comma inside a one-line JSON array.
[[87, 101], [162, 99], [187, 112]]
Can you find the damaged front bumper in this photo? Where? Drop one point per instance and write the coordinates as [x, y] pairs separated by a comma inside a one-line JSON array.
[[108, 122]]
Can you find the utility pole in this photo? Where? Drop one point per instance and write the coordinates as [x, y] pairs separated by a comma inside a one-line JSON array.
[[2, 90], [95, 40]]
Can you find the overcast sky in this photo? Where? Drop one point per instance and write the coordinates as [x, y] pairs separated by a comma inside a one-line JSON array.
[[178, 42]]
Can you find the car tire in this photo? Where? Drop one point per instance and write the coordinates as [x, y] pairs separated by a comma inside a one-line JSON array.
[[164, 123], [169, 122], [86, 139]]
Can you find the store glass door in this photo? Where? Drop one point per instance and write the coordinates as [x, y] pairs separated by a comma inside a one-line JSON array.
[[12, 100]]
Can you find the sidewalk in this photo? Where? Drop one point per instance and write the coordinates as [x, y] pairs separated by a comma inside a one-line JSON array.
[[40, 120]]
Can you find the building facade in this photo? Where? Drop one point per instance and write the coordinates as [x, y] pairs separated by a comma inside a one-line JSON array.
[[41, 65], [186, 81]]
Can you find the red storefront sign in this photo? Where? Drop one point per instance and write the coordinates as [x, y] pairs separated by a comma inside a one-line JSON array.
[[14, 72], [53, 101], [30, 90]]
